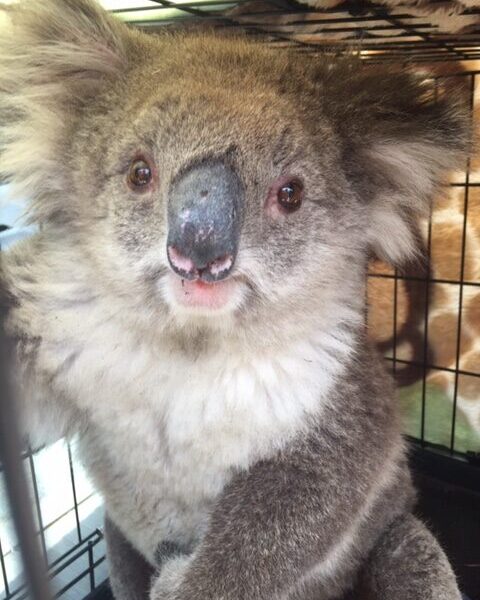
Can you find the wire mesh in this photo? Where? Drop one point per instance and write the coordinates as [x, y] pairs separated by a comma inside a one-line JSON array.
[[69, 528], [376, 32], [446, 332]]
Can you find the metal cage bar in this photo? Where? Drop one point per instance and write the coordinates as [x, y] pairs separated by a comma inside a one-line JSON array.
[[462, 276]]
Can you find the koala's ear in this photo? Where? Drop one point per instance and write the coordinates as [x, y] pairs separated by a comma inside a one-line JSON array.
[[55, 56], [71, 43], [410, 133]]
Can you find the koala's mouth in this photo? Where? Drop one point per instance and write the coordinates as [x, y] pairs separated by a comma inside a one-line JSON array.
[[200, 294]]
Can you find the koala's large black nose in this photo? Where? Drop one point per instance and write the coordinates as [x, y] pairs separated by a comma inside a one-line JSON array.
[[204, 220]]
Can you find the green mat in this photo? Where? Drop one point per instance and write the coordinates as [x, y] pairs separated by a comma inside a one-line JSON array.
[[438, 418]]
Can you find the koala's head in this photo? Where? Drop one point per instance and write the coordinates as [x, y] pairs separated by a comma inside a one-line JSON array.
[[214, 178]]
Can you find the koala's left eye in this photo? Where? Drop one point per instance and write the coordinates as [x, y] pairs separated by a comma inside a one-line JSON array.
[[139, 174], [285, 196]]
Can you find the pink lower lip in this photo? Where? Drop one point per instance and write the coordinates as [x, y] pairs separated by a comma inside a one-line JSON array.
[[201, 294]]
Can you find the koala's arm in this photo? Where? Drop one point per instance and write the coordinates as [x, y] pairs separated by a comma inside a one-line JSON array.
[[288, 516], [407, 564]]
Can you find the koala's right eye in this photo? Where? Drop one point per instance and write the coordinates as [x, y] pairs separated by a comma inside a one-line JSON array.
[[139, 174]]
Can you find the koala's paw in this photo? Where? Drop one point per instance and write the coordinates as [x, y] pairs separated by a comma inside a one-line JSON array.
[[168, 582]]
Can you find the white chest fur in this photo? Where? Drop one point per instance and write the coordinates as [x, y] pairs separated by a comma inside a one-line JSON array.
[[167, 429]]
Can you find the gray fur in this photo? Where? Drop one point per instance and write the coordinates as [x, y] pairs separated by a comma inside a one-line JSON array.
[[408, 563], [263, 437], [130, 573]]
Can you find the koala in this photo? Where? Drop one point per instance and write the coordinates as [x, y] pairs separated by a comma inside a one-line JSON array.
[[192, 307]]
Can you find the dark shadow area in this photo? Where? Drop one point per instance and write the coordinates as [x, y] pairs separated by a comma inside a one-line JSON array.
[[449, 502]]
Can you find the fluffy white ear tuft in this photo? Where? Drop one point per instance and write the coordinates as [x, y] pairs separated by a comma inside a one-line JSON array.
[[412, 174], [55, 56], [410, 156], [392, 235]]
